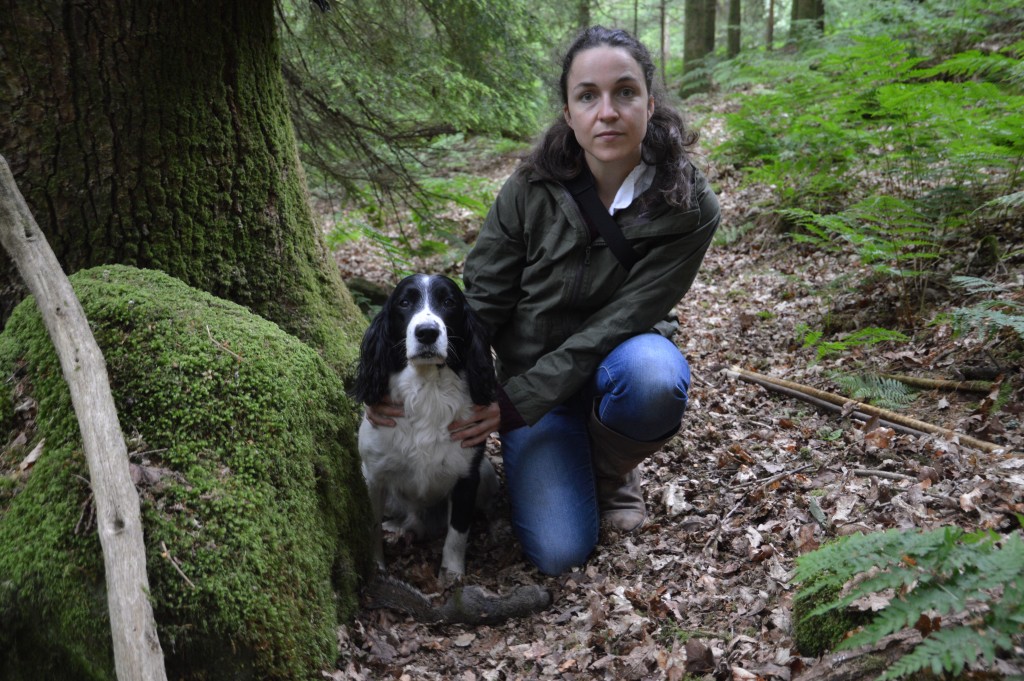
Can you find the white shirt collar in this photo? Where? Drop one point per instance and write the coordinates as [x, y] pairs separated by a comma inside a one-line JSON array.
[[636, 183]]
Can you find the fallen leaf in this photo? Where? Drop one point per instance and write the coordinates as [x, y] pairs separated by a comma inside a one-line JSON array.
[[464, 640], [29, 460], [699, 658], [969, 501]]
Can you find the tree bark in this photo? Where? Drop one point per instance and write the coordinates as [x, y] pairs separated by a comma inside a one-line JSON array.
[[137, 651], [710, 19], [663, 33], [807, 12], [156, 134], [769, 28], [735, 20], [583, 14], [696, 47]]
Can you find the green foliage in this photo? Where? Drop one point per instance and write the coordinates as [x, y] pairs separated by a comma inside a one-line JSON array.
[[375, 88], [870, 147], [943, 572], [729, 234], [889, 234], [859, 338], [880, 391], [989, 316]]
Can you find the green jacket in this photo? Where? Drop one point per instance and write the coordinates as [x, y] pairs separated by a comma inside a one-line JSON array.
[[556, 302]]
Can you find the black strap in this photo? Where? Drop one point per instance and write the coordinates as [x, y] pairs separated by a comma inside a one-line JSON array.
[[585, 193]]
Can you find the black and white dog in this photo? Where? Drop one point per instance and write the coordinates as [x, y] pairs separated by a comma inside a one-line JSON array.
[[427, 350]]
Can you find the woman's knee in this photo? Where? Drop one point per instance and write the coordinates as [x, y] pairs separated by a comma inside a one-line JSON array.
[[643, 386], [554, 555], [649, 366]]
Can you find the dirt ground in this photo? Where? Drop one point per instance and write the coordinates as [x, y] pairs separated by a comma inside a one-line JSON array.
[[754, 480]]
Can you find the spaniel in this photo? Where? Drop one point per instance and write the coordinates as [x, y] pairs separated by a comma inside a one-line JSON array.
[[427, 350]]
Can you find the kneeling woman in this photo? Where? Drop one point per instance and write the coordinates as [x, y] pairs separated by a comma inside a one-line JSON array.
[[591, 381]]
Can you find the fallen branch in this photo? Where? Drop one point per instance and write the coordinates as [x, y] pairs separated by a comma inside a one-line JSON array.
[[835, 408], [939, 384], [137, 652], [469, 604], [891, 417], [885, 475]]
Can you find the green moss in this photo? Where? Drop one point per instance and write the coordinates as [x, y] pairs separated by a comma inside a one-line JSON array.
[[261, 503], [816, 635]]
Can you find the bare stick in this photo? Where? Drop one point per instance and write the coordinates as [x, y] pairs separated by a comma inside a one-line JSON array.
[[966, 440], [938, 384], [137, 652], [174, 564], [886, 475]]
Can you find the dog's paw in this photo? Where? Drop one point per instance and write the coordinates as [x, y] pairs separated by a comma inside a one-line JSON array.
[[448, 578]]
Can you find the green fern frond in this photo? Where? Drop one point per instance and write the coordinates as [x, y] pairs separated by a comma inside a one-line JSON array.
[[977, 284], [883, 392], [1014, 201], [992, 315], [944, 572]]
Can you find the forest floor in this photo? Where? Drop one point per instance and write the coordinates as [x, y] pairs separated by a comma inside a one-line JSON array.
[[755, 479]]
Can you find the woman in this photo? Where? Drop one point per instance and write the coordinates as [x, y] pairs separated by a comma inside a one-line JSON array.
[[588, 391]]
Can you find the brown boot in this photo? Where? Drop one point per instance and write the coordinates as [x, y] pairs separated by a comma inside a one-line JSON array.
[[615, 458]]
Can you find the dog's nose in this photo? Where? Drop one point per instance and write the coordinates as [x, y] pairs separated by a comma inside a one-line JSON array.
[[427, 333]]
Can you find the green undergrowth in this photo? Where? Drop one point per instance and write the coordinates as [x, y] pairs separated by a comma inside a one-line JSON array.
[[963, 591], [254, 508]]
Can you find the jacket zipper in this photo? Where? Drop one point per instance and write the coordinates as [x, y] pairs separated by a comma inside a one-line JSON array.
[[577, 289]]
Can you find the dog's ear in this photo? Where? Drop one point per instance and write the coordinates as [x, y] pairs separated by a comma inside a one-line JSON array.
[[376, 359], [479, 364]]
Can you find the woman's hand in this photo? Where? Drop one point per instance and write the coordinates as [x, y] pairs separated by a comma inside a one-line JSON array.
[[384, 413], [474, 430]]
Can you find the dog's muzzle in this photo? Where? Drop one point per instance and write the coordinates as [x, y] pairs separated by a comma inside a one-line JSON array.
[[427, 349]]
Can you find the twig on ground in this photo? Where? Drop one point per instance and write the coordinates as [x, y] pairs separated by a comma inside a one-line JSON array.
[[774, 478], [939, 384], [222, 345], [887, 475], [165, 553]]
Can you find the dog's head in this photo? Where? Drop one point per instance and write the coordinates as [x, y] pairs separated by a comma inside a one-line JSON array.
[[425, 320]]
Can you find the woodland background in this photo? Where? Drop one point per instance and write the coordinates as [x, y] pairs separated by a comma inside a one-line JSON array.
[[869, 160]]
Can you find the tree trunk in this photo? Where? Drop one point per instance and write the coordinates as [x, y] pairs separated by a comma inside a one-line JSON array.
[[137, 652], [769, 29], [807, 13], [156, 134], [698, 42], [583, 14], [735, 19], [663, 33], [710, 18]]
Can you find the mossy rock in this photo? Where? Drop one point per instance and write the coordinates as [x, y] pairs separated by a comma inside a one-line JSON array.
[[252, 483]]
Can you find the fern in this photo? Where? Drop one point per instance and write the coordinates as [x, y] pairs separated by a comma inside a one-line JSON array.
[[989, 316], [883, 392], [942, 572], [1014, 201], [860, 338]]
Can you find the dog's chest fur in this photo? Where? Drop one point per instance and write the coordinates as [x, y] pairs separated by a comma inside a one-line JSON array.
[[417, 458]]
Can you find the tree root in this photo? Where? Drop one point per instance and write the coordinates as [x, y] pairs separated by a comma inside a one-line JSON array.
[[469, 604]]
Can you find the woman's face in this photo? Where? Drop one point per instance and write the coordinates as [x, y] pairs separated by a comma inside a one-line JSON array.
[[608, 107]]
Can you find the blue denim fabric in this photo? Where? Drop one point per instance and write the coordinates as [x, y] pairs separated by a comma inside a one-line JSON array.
[[640, 390]]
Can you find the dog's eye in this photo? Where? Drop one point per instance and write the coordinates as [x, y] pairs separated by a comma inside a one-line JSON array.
[[405, 303], [449, 303]]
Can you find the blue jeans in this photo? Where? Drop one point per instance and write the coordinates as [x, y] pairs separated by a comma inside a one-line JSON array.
[[640, 391]]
